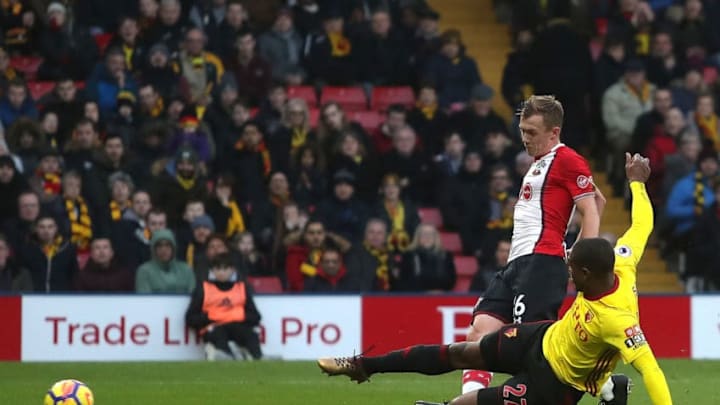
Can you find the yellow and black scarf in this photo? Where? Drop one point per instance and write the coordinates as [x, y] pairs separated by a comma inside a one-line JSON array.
[[128, 51], [262, 149], [299, 138], [51, 250], [643, 94], [339, 45], [51, 183], [158, 108], [80, 223], [699, 193], [186, 184], [398, 240], [116, 212], [382, 272], [310, 265], [506, 215], [236, 222], [428, 111], [709, 128], [190, 254]]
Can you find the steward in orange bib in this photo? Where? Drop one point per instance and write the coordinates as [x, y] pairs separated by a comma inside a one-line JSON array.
[[223, 310]]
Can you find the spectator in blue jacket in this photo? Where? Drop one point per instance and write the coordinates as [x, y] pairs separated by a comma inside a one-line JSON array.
[[108, 79], [453, 72], [692, 194], [16, 104]]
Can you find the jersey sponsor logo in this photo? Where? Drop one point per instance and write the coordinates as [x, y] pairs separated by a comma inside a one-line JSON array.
[[583, 181], [623, 251], [635, 337], [510, 333], [526, 192]]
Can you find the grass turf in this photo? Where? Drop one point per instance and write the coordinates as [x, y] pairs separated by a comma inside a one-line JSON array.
[[274, 382]]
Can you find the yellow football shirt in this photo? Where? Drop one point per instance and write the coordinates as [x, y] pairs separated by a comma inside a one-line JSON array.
[[585, 345]]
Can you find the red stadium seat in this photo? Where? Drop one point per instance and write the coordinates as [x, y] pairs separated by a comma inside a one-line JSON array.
[[451, 241], [350, 98], [27, 65], [314, 117], [383, 97], [431, 216], [462, 284], [306, 93], [370, 120], [266, 285], [39, 89], [465, 266], [102, 41]]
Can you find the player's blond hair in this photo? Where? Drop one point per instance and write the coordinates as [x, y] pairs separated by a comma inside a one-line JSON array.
[[546, 106]]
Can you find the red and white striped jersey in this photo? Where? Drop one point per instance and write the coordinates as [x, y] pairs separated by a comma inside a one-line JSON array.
[[547, 200]]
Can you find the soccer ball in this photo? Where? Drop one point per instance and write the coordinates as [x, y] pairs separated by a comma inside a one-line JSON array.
[[69, 392]]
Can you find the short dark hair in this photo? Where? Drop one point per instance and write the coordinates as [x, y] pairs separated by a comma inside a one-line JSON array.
[[595, 254], [396, 108], [546, 106], [222, 260]]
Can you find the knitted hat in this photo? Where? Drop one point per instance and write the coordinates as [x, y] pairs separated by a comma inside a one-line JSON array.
[[203, 221]]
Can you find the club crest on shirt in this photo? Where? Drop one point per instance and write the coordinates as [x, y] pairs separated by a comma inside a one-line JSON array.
[[511, 333], [583, 181], [623, 251], [538, 168], [526, 192]]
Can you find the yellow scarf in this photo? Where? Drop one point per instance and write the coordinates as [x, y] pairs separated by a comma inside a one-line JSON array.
[[506, 216], [128, 52], [699, 193], [158, 108], [398, 240], [339, 44], [428, 110], [51, 183], [709, 128], [309, 266], [643, 94], [382, 271], [236, 223], [186, 184], [80, 223], [299, 138], [115, 210], [190, 254], [642, 41], [51, 250], [262, 149]]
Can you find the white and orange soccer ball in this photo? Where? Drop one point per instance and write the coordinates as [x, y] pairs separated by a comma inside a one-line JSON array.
[[69, 392]]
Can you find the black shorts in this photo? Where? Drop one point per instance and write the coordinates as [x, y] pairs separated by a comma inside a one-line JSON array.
[[517, 350], [531, 288]]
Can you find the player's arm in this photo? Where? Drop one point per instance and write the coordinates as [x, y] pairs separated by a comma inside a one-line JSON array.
[[590, 224], [637, 170], [653, 377], [577, 180]]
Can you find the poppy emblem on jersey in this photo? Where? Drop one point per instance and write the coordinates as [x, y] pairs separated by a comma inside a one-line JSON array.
[[623, 251], [511, 333], [589, 317], [526, 192], [536, 172], [583, 181]]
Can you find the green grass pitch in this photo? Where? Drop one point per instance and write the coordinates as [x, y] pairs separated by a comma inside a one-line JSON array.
[[275, 382]]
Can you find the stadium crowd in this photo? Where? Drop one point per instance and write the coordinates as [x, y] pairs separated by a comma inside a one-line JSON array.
[[142, 140]]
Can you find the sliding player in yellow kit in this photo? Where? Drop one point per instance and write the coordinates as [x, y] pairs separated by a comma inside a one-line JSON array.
[[553, 363]]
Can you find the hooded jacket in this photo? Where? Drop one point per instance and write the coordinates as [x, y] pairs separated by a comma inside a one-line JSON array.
[[155, 276]]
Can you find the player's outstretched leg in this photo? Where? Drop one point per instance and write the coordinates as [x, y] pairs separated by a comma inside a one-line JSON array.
[[616, 390], [423, 359]]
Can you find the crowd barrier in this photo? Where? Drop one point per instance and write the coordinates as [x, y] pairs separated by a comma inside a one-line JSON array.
[[296, 327]]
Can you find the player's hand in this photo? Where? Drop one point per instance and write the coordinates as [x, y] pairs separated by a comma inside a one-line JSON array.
[[637, 168]]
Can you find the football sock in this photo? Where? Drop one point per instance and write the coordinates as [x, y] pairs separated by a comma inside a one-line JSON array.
[[606, 392], [473, 380], [424, 359]]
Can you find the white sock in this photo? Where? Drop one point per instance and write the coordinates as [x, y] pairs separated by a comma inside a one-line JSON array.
[[471, 385], [606, 392]]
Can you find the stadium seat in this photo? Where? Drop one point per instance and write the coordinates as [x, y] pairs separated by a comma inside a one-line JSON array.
[[350, 98], [451, 241], [431, 216], [465, 266], [369, 120], [314, 117], [102, 41], [266, 285], [27, 65], [382, 97], [39, 89], [462, 285], [306, 93]]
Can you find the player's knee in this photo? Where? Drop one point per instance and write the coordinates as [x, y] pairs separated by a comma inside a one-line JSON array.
[[482, 325]]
